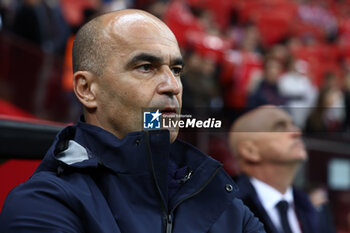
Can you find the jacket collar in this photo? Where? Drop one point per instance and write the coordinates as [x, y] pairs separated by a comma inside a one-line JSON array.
[[137, 152], [103, 148], [125, 155]]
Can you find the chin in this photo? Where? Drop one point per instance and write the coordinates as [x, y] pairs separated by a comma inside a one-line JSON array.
[[301, 156], [299, 151]]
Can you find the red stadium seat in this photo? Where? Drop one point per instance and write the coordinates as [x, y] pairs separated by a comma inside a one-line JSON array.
[[322, 58], [273, 27], [237, 84], [7, 108], [210, 46], [14, 172], [181, 21], [221, 10]]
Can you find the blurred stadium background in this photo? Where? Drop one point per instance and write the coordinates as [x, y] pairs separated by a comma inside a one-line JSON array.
[[239, 54]]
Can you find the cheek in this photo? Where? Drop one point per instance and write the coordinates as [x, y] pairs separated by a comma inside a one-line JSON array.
[[131, 92], [272, 148], [288, 149], [179, 98], [113, 98]]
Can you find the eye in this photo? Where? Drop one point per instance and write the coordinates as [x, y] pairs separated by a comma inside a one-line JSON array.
[[177, 71], [280, 126], [145, 68]]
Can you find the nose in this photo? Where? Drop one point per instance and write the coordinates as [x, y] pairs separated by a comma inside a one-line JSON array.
[[170, 84], [295, 130]]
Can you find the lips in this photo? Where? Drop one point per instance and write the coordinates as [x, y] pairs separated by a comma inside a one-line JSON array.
[[168, 111]]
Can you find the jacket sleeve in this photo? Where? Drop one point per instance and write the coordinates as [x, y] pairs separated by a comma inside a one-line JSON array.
[[38, 206], [237, 219]]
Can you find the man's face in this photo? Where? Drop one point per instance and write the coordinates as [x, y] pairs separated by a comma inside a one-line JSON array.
[[273, 70], [280, 142], [143, 71]]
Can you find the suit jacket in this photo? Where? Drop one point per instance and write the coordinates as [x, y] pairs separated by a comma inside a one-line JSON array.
[[306, 213]]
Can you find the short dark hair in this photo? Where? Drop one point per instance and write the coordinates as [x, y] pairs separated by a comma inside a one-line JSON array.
[[89, 48]]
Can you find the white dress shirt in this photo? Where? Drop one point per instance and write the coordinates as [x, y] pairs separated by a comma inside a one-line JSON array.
[[269, 197]]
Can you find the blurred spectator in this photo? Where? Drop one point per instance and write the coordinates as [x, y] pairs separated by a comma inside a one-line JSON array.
[[328, 115], [27, 22], [298, 90], [200, 85], [181, 21], [113, 5], [280, 53], [206, 19], [246, 63], [319, 198], [7, 13], [267, 91], [157, 8], [41, 22], [317, 14], [73, 10]]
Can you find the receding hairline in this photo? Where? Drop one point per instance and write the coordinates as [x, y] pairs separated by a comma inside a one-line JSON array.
[[249, 124], [252, 120], [87, 55], [89, 48]]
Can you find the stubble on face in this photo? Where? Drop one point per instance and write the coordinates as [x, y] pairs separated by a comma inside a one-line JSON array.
[[123, 94]]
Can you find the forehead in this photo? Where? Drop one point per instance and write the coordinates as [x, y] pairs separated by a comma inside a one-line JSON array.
[[137, 31], [271, 117]]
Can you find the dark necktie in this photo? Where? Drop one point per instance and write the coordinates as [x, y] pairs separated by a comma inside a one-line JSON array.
[[282, 208]]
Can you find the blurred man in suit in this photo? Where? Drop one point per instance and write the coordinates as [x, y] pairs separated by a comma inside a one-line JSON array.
[[269, 151]]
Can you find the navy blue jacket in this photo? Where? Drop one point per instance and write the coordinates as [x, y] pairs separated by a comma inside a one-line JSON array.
[[91, 181], [305, 212]]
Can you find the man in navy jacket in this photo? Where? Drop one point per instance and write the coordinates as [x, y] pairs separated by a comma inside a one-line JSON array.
[[104, 174], [269, 150]]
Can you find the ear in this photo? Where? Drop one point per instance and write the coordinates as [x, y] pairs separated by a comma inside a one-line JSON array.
[[85, 85], [249, 151]]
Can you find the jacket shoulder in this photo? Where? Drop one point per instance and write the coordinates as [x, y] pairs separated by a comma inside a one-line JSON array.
[[43, 202]]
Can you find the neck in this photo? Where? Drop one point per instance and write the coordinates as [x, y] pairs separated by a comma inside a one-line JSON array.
[[277, 176]]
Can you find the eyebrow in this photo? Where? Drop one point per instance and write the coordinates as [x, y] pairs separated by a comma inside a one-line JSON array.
[[178, 61], [278, 123], [152, 59], [285, 122]]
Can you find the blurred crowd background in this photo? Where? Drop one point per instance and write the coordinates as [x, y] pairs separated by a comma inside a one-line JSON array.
[[239, 54]]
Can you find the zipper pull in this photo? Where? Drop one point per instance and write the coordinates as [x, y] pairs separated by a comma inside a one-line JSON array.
[[169, 224], [186, 178]]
